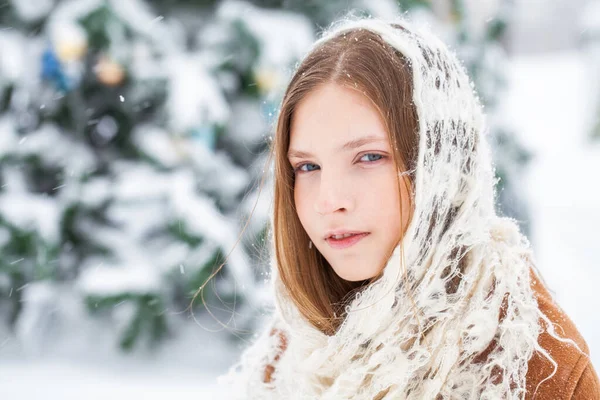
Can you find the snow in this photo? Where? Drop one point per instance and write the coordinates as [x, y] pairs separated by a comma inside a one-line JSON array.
[[203, 218], [590, 19], [156, 143], [549, 105], [140, 18], [143, 66], [259, 205], [31, 212], [379, 9], [95, 192], [293, 31], [246, 125], [139, 182], [57, 149], [219, 174], [8, 137], [32, 10], [13, 59], [117, 280], [187, 108], [100, 383], [72, 369]]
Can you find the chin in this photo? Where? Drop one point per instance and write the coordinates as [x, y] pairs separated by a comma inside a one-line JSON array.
[[354, 276]]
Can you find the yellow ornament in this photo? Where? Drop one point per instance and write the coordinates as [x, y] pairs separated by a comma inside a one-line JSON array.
[[109, 72], [266, 79], [71, 50], [69, 40]]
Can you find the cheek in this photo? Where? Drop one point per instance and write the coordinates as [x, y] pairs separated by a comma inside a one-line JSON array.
[[382, 193], [302, 204], [383, 202]]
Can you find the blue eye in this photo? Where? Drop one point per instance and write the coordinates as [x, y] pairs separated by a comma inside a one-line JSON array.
[[299, 167], [372, 157], [373, 154]]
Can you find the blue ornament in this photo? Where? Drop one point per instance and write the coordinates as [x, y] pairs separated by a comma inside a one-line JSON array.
[[206, 134], [52, 70]]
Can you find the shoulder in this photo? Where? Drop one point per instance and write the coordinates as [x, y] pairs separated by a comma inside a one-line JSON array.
[[575, 377]]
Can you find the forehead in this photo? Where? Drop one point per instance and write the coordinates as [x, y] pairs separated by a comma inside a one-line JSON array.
[[332, 115]]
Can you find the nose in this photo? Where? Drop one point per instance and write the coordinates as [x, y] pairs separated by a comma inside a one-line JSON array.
[[334, 194]]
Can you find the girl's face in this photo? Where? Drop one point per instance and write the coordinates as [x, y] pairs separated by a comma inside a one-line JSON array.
[[346, 180]]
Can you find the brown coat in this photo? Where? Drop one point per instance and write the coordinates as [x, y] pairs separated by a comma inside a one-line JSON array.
[[575, 377]]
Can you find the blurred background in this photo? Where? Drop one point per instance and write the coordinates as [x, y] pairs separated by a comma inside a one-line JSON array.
[[133, 138]]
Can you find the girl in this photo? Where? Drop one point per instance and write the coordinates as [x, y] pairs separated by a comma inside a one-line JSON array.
[[394, 277]]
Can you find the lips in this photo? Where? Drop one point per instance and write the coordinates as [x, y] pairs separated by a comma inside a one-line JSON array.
[[347, 241], [340, 232]]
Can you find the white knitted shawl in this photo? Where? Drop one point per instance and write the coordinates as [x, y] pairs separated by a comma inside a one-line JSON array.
[[462, 263]]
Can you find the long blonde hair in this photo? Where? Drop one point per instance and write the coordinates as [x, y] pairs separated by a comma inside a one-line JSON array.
[[362, 61]]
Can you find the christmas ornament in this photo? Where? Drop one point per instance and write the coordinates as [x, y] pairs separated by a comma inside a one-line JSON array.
[[70, 41], [53, 71], [266, 79], [109, 72]]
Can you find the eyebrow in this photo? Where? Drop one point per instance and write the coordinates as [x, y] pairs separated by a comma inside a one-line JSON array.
[[353, 144]]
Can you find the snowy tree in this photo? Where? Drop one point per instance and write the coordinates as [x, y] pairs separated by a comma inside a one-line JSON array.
[[132, 149], [128, 155]]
